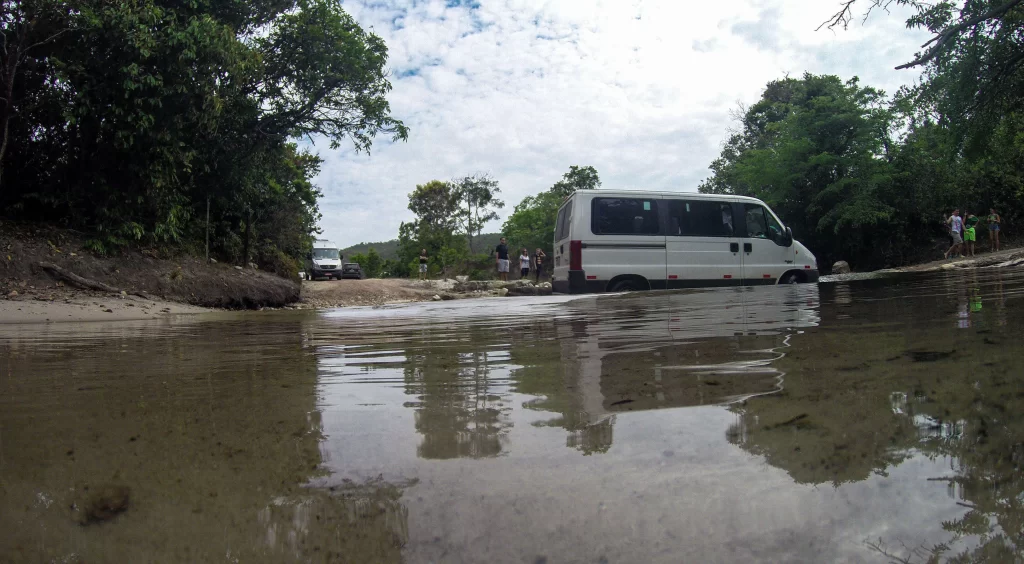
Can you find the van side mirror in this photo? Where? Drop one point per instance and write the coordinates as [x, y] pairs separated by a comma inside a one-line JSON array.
[[788, 238]]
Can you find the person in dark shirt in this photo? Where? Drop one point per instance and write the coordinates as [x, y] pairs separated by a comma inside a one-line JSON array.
[[501, 253], [423, 264], [538, 259]]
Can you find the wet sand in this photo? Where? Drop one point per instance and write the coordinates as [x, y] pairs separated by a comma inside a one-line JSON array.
[[84, 308]]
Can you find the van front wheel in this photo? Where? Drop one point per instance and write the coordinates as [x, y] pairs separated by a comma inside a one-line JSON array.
[[790, 278]]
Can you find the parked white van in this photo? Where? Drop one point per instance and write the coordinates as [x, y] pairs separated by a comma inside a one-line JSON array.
[[614, 241], [325, 261]]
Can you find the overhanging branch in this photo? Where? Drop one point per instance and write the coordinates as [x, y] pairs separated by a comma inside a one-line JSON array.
[[946, 35]]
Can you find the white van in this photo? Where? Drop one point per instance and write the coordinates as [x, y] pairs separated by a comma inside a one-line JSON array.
[[614, 241], [325, 261]]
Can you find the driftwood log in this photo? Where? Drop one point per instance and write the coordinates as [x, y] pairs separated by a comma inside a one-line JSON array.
[[86, 283]]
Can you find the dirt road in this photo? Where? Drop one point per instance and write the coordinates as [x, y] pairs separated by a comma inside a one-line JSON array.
[[340, 293]]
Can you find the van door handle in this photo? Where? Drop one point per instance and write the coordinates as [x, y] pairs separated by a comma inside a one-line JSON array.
[[748, 248], [734, 247]]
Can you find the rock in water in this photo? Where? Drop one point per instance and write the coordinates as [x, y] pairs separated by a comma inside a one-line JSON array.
[[841, 267], [103, 503]]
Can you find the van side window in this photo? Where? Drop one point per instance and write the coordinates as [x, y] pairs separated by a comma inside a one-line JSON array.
[[700, 218], [760, 224], [624, 216]]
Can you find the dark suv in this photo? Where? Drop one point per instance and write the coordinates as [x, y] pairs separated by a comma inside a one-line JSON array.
[[352, 270]]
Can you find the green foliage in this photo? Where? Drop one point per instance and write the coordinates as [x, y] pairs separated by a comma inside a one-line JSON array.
[[826, 156], [578, 178], [478, 199], [130, 118], [532, 223], [371, 263], [973, 66]]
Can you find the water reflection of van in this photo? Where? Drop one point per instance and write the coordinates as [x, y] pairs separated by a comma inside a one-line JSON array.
[[685, 348], [635, 240]]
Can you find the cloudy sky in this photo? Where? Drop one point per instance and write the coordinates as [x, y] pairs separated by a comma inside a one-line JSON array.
[[640, 89]]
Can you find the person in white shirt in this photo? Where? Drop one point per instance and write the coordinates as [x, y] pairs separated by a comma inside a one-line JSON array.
[[956, 229], [524, 264]]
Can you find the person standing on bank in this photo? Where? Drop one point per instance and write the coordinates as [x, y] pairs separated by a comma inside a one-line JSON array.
[[993, 229], [970, 235], [538, 259], [423, 264], [524, 264], [956, 228], [501, 253]]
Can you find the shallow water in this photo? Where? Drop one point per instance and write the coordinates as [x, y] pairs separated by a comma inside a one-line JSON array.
[[861, 421]]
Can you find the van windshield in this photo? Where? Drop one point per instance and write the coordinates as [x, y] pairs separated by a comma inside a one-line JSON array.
[[325, 254]]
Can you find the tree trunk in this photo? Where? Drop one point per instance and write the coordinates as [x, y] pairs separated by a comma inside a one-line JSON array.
[[207, 229], [247, 246], [469, 225], [10, 69]]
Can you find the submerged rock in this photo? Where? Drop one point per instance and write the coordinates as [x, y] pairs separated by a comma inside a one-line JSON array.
[[841, 267], [103, 503]]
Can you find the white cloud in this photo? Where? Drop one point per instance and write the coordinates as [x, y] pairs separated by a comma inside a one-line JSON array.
[[523, 89]]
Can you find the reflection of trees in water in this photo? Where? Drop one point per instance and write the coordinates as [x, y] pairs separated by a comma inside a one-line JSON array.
[[593, 438], [456, 410], [986, 446], [552, 371], [351, 523], [858, 402]]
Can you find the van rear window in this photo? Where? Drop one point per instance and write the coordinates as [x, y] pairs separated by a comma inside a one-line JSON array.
[[562, 225], [624, 216], [700, 218]]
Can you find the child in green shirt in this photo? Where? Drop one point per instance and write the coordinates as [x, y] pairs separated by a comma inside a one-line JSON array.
[[970, 235]]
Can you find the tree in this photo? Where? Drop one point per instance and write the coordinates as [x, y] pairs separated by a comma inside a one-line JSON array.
[[322, 74], [578, 178], [815, 150], [532, 223], [25, 27], [144, 113], [973, 64], [371, 263], [437, 208], [478, 197]]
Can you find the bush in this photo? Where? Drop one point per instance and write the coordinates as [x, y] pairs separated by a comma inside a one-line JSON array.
[[272, 259]]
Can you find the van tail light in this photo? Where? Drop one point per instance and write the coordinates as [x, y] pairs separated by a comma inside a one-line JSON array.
[[575, 255]]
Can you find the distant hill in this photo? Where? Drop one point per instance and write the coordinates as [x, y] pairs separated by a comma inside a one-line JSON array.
[[483, 243], [386, 249]]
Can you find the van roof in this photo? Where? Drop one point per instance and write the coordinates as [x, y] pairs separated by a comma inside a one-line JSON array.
[[691, 195]]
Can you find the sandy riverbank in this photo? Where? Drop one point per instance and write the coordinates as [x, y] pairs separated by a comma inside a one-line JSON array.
[[91, 308]]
